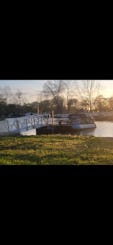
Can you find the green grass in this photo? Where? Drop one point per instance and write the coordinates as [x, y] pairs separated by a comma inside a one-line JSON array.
[[56, 150]]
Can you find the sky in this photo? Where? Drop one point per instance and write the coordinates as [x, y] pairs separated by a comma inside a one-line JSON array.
[[32, 87]]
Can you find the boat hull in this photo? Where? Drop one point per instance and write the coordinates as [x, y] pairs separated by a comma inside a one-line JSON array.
[[57, 129], [83, 126]]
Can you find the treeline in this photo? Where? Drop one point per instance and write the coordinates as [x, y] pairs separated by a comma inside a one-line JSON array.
[[58, 95], [58, 104]]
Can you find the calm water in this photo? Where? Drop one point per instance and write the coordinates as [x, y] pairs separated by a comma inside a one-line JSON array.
[[103, 129]]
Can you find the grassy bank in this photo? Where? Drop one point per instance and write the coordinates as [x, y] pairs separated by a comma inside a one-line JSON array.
[[56, 149]]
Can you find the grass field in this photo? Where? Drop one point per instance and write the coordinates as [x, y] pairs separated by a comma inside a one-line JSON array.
[[56, 150]]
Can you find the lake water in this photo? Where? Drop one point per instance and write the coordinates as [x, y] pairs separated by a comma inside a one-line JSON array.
[[103, 129]]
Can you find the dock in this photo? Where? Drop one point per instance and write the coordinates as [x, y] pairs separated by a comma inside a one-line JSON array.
[[15, 126], [21, 125]]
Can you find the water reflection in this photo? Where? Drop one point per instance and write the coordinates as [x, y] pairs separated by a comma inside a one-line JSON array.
[[103, 129]]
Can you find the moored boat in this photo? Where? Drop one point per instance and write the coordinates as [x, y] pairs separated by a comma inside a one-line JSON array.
[[81, 121], [71, 125]]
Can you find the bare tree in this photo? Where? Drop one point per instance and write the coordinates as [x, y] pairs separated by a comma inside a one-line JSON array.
[[102, 103], [19, 97], [6, 94], [54, 90], [1, 95], [111, 103], [55, 87], [87, 90], [57, 104], [72, 104]]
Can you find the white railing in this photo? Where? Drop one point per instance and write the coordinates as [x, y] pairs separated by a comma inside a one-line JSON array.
[[16, 125]]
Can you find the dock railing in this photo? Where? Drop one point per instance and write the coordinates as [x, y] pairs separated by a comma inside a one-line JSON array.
[[17, 125]]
